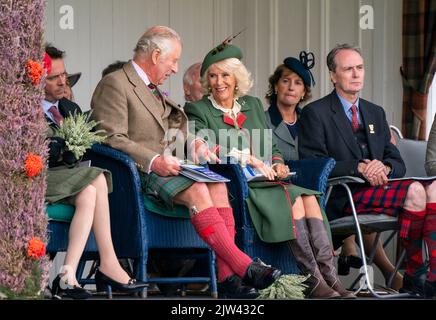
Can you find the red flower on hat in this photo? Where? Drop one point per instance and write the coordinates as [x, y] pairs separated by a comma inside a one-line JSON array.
[[33, 165], [47, 63], [35, 71], [35, 248]]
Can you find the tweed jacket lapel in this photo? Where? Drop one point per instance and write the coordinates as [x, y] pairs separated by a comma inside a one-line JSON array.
[[343, 124], [144, 94]]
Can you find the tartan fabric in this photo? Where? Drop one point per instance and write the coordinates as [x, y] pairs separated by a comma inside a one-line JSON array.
[[419, 63], [162, 190], [411, 233], [430, 238], [386, 199]]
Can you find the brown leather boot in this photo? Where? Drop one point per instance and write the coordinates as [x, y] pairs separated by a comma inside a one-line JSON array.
[[324, 256], [300, 247]]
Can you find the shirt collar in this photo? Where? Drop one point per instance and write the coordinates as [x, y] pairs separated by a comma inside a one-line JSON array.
[[347, 104], [141, 73], [232, 112], [47, 105]]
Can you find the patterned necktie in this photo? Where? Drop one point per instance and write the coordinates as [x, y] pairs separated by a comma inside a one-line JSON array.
[[354, 121], [57, 117], [154, 90]]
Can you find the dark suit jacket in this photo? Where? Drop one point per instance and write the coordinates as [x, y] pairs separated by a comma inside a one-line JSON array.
[[66, 108], [325, 131]]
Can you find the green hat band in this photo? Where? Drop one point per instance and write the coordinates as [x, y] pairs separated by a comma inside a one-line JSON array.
[[221, 52]]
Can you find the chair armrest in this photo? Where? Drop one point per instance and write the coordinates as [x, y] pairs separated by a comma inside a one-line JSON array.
[[312, 173], [344, 179]]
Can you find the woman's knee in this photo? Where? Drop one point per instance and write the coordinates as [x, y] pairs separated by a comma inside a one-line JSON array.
[[87, 196], [416, 197], [100, 182], [298, 208]]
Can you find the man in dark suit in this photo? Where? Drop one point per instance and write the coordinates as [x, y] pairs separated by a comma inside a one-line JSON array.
[[56, 107], [356, 134]]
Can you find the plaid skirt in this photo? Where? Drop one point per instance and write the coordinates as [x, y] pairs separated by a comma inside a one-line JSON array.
[[386, 199], [159, 193]]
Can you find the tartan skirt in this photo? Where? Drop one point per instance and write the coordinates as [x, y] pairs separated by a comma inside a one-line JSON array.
[[159, 193], [386, 199]]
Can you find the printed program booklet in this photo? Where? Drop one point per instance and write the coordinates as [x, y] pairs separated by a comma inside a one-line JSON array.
[[201, 174]]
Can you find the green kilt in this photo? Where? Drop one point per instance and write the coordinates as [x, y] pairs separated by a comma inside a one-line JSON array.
[[269, 204], [159, 193], [65, 183]]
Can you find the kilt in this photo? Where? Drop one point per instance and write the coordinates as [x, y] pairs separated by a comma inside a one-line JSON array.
[[159, 193], [386, 199], [65, 183]]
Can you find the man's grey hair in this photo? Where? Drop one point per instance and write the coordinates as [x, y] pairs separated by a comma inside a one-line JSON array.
[[188, 76], [331, 63], [157, 37]]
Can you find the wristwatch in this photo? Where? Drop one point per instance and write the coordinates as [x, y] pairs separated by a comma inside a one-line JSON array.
[[193, 211]]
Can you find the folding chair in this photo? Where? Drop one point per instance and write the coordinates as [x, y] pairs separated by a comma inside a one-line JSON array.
[[413, 154]]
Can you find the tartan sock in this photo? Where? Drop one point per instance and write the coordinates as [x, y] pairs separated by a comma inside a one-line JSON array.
[[411, 232], [430, 238], [224, 270], [211, 228]]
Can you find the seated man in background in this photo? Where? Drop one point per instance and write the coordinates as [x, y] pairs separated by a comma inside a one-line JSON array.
[[191, 83], [355, 133]]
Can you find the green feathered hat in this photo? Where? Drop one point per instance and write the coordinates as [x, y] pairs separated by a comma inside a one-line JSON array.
[[224, 50]]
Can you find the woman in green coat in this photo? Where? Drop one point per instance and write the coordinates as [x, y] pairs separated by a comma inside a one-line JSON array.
[[232, 122]]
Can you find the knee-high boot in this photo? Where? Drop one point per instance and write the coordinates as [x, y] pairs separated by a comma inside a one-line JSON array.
[[324, 256], [302, 250]]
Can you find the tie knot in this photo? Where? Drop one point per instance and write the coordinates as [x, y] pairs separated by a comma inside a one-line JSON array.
[[57, 116], [354, 108]]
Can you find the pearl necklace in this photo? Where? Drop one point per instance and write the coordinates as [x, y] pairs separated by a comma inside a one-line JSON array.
[[290, 123]]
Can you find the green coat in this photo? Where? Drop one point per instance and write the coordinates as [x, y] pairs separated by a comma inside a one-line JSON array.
[[273, 223]]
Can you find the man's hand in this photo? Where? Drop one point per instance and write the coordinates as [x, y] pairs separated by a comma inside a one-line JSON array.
[[201, 152], [374, 171], [165, 166]]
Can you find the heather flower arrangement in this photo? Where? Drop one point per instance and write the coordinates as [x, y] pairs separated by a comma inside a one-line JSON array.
[[23, 151], [77, 131]]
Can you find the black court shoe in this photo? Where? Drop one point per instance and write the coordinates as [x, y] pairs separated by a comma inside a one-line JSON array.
[[414, 285], [60, 290], [106, 284], [260, 276]]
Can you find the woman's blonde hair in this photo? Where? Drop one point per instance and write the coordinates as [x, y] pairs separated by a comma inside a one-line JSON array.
[[233, 66]]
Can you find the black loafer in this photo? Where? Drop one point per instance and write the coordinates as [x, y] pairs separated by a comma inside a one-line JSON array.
[[414, 285], [260, 276], [104, 283], [232, 288]]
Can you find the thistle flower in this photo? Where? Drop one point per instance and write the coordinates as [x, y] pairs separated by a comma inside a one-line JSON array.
[[35, 248], [33, 165]]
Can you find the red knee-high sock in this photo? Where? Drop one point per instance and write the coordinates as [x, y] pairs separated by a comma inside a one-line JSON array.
[[412, 225], [211, 228], [224, 270], [430, 238]]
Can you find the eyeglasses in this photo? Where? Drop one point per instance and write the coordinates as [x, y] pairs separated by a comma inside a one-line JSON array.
[[62, 75]]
